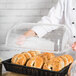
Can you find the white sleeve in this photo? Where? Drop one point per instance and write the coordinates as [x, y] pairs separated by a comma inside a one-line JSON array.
[[54, 17]]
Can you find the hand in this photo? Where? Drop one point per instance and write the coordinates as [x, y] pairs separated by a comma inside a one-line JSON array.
[[22, 38], [74, 46]]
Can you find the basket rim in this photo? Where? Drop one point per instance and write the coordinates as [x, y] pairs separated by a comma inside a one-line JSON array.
[[9, 63]]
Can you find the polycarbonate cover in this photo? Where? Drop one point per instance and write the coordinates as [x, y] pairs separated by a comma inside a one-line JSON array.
[[54, 41]]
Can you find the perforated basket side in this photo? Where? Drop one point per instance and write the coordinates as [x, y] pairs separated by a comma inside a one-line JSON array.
[[32, 71]]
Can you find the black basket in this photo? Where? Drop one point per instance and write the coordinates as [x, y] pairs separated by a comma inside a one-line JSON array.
[[32, 71]]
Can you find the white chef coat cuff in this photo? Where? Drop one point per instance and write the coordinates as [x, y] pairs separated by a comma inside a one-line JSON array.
[[39, 31]]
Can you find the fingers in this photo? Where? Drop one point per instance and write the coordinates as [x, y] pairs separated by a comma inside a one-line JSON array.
[[20, 40]]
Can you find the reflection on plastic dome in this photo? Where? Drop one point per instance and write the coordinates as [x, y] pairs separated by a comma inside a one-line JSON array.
[[72, 69], [55, 40]]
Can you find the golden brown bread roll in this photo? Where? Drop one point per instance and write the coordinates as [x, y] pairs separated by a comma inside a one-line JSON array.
[[14, 58], [36, 62], [27, 55], [34, 53], [19, 59], [47, 56], [37, 52], [70, 58], [35, 59], [65, 59], [55, 64]]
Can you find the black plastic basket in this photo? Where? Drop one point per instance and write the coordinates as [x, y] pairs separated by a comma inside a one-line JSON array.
[[32, 71]]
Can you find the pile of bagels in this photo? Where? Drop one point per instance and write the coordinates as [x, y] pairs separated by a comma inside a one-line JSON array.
[[47, 61]]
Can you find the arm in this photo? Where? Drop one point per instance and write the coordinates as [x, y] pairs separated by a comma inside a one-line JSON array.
[[54, 17]]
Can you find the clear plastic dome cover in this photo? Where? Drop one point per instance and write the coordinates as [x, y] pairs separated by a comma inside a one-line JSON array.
[[56, 40], [72, 69]]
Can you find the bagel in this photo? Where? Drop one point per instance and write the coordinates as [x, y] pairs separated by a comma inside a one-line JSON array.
[[70, 58], [14, 58], [19, 59], [34, 53], [47, 56], [55, 64], [36, 62], [65, 59], [27, 55], [37, 52]]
